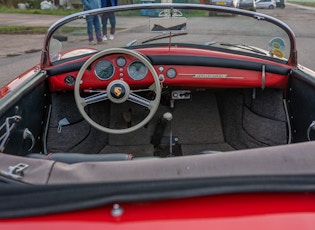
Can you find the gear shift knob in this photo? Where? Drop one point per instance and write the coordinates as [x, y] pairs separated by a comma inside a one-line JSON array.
[[168, 116]]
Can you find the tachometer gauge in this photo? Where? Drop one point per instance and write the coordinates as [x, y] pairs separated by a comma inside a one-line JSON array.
[[137, 70], [104, 69], [121, 61]]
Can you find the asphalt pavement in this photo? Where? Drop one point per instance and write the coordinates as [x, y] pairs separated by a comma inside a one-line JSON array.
[[13, 45]]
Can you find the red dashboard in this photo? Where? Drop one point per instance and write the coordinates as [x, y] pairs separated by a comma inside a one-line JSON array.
[[178, 67]]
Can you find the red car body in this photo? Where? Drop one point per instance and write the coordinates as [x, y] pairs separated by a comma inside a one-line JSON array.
[[229, 138], [238, 211]]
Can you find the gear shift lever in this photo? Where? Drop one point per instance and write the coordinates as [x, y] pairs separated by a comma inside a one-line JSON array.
[[169, 117]]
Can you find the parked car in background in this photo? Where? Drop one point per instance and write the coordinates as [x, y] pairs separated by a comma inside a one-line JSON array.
[[280, 3], [247, 5], [228, 3], [265, 4]]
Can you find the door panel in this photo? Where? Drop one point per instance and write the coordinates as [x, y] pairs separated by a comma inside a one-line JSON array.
[[301, 104]]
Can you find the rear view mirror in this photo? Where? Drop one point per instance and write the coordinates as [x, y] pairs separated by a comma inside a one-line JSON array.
[[168, 24]]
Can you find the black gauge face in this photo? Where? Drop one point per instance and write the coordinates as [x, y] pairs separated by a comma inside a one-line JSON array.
[[104, 70], [69, 80], [137, 70], [171, 73], [121, 61]]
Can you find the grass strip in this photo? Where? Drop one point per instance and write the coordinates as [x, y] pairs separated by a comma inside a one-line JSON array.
[[23, 30]]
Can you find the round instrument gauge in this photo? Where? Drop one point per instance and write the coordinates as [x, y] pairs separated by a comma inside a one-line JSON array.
[[121, 61], [104, 69], [171, 73], [69, 80], [137, 70]]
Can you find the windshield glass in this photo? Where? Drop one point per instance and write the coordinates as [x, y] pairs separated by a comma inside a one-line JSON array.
[[247, 32]]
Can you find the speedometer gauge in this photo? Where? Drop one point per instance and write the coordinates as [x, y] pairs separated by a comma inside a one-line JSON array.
[[137, 70], [104, 69]]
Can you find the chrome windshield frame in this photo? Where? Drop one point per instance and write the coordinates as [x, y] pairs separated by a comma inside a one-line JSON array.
[[292, 59]]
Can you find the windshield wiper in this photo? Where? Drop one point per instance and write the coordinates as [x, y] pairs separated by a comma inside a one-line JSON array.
[[131, 43], [244, 47], [210, 43], [161, 36]]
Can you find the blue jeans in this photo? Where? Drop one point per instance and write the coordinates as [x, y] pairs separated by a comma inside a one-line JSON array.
[[94, 21], [112, 20]]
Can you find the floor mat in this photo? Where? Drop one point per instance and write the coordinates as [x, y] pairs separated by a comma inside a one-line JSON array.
[[197, 121], [196, 125]]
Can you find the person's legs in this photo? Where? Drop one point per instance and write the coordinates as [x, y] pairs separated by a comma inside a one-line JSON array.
[[89, 21], [112, 21], [97, 27], [104, 24]]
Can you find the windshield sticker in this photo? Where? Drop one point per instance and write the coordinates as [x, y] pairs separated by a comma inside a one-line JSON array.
[[277, 47]]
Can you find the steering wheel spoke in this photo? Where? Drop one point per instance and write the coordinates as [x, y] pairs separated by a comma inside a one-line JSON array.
[[98, 97], [135, 98]]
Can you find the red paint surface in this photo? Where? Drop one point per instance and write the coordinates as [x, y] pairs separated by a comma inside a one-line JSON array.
[[238, 212], [236, 78]]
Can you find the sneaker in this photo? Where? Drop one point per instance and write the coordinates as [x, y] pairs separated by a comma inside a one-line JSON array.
[[104, 38], [92, 43], [111, 37], [101, 42]]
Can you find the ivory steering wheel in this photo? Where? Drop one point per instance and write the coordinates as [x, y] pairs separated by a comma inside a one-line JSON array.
[[125, 92]]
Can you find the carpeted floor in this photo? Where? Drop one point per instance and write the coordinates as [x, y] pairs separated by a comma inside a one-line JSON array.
[[212, 120]]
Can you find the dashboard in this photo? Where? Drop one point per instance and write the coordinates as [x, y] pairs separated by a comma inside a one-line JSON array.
[[176, 69]]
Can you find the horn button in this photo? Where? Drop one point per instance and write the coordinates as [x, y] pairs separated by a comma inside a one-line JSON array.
[[118, 91]]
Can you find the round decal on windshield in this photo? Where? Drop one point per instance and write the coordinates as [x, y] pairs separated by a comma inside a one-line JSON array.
[[277, 47]]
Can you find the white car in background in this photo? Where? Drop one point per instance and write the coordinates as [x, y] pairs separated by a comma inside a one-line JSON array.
[[265, 4]]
